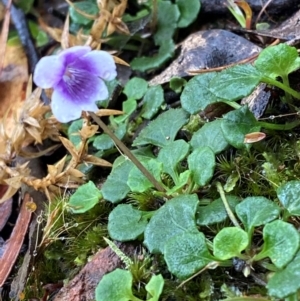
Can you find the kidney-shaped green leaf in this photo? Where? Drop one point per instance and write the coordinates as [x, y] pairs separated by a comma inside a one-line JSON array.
[[177, 216], [171, 155], [115, 286], [279, 60], [289, 196], [163, 129], [152, 101], [155, 287], [115, 187], [126, 223], [202, 164], [188, 11], [210, 134], [186, 254], [196, 95], [256, 211], [286, 282], [230, 242], [84, 198], [135, 88], [281, 242], [138, 182], [215, 212], [236, 124], [236, 82]]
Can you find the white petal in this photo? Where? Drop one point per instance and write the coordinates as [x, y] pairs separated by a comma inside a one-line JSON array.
[[48, 71]]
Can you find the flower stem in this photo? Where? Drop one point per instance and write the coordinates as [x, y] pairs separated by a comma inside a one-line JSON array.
[[226, 205], [279, 127], [280, 85], [127, 152]]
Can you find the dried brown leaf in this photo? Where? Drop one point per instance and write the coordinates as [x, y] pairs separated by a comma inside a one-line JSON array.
[[70, 147], [14, 182], [88, 131], [108, 112], [31, 121], [96, 161], [75, 173]]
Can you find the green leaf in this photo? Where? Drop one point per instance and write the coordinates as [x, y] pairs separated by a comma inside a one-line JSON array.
[[152, 101], [202, 164], [188, 11], [115, 286], [84, 198], [177, 84], [73, 131], [183, 179], [236, 124], [186, 254], [211, 135], [25, 5], [128, 107], [196, 95], [104, 142], [215, 212], [279, 60], [165, 52], [115, 188], [251, 217], [137, 182], [281, 242], [235, 83], [170, 159], [167, 17], [40, 36], [177, 216], [160, 132], [231, 181], [286, 282], [289, 197], [136, 88], [230, 242], [155, 287], [126, 223], [88, 7]]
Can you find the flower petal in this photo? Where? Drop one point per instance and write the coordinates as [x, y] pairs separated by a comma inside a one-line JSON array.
[[71, 54], [76, 92], [48, 71], [97, 62], [63, 108], [81, 86]]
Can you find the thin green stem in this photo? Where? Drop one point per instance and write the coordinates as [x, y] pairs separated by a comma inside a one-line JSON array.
[[286, 82], [292, 297], [280, 85], [226, 205], [127, 152], [279, 127], [232, 104]]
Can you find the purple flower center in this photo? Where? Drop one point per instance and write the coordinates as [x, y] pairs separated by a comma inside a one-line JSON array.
[[77, 77]]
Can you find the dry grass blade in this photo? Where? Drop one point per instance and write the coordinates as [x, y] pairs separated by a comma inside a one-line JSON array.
[[4, 35], [108, 112], [120, 61], [96, 161], [70, 148]]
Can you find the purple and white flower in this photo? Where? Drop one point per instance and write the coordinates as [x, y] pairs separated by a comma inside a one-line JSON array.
[[76, 76]]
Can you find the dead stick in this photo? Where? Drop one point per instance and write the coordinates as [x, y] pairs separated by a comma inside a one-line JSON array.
[[127, 152], [13, 245]]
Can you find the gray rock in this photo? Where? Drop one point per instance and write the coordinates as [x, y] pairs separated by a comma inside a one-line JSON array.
[[275, 6], [207, 49]]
